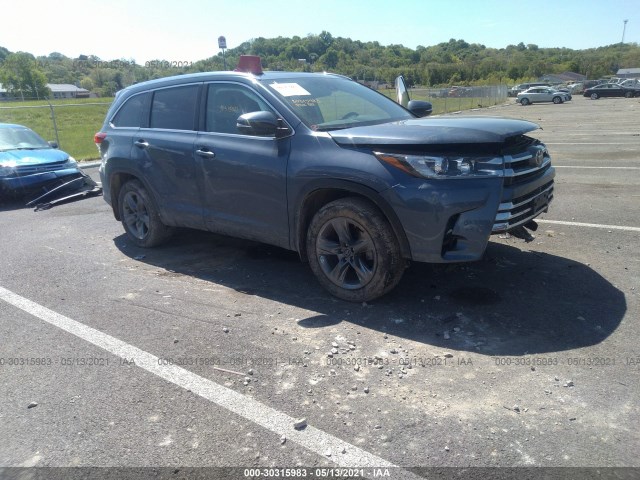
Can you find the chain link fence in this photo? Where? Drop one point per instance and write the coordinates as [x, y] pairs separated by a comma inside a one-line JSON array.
[[456, 99]]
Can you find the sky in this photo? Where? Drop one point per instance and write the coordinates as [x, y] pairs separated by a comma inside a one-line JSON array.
[[187, 30]]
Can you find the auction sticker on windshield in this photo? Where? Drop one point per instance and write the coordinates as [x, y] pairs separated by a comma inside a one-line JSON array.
[[289, 89]]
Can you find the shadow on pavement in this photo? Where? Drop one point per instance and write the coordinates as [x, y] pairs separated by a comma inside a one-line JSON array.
[[512, 302]]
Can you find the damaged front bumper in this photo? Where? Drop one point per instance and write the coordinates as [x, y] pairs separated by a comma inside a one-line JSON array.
[[45, 189], [20, 184], [452, 220]]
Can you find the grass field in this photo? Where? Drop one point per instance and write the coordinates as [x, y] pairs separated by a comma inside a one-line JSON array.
[[77, 121]]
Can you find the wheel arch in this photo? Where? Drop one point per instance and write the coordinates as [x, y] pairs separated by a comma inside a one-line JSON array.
[[116, 182], [316, 196]]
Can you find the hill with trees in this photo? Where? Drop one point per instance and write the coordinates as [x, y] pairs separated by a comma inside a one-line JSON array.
[[453, 62]]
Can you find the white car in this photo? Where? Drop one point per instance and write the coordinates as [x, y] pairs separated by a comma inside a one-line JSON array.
[[542, 94]]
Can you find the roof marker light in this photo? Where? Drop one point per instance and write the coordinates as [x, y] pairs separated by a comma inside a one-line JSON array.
[[249, 64]]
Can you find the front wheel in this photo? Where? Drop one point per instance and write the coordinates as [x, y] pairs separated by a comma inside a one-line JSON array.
[[353, 251], [595, 96], [524, 102], [629, 94], [140, 217], [557, 100]]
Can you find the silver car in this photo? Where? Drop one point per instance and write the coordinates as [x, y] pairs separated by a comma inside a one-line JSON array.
[[542, 94]]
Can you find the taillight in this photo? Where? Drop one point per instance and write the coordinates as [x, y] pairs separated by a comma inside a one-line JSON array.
[[99, 137]]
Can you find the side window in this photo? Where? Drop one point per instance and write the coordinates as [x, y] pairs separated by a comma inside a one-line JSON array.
[[174, 108], [226, 102], [130, 114]]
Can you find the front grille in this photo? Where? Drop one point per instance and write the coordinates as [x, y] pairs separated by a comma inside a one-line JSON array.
[[525, 163], [522, 166], [523, 209], [22, 170]]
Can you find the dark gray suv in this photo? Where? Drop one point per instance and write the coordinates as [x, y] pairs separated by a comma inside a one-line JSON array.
[[319, 164]]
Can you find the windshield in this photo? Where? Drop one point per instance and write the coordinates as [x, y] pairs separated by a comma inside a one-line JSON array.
[[20, 138], [326, 102]]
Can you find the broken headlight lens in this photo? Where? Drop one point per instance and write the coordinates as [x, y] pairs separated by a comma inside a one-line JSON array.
[[427, 166], [7, 168]]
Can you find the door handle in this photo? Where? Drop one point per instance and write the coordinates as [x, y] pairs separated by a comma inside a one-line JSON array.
[[205, 153], [141, 143]]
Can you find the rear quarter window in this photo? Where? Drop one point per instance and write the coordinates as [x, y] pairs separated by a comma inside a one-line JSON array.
[[130, 113]]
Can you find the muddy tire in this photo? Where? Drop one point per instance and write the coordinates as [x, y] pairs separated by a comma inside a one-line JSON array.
[[353, 251], [140, 217]]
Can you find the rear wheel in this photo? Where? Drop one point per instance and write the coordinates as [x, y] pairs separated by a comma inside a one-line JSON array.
[[595, 96], [353, 251], [525, 101], [140, 217], [628, 94], [557, 100]]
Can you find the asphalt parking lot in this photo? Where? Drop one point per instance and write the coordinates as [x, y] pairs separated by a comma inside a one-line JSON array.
[[205, 352]]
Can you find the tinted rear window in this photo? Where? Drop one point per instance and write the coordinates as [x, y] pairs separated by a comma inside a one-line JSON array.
[[174, 108], [130, 114]]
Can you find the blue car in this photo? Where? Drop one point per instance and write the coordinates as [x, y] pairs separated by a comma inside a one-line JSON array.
[[354, 182], [29, 164]]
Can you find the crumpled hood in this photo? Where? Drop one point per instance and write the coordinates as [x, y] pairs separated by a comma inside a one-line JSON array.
[[32, 157], [435, 131]]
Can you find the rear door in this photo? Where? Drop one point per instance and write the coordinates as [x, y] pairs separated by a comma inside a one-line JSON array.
[[243, 176], [163, 149]]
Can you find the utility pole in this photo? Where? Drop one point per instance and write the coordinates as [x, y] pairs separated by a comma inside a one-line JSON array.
[[624, 29]]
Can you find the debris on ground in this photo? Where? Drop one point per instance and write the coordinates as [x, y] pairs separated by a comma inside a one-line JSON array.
[[81, 186]]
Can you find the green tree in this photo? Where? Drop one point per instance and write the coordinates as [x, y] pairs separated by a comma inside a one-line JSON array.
[[21, 77], [87, 83], [3, 54]]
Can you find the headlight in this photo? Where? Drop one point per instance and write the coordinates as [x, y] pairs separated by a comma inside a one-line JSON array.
[[426, 166], [7, 168], [70, 163]]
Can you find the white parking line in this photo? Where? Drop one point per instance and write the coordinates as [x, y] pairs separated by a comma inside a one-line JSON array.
[[592, 143], [311, 438], [603, 168], [590, 225]]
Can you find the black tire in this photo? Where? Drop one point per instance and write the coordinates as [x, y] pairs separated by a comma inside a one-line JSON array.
[[557, 100], [353, 251], [629, 94], [139, 216], [595, 96], [524, 102]]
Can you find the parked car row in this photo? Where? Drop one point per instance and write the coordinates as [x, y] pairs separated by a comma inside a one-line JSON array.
[[515, 90], [542, 94], [611, 90]]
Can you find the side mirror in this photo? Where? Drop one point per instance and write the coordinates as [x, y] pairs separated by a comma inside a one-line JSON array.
[[262, 124], [402, 94], [53, 144], [420, 108]]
